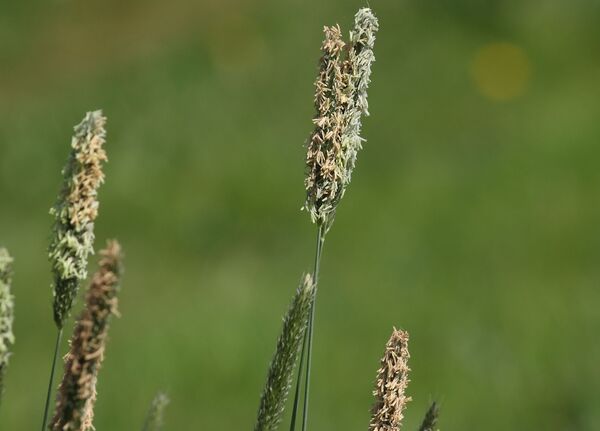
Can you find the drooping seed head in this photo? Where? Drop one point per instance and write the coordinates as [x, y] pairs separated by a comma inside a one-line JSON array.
[[340, 101], [77, 392], [155, 417], [281, 369], [390, 387], [75, 211], [7, 337]]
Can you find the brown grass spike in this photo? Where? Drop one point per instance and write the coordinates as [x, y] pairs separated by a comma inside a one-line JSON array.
[[390, 388], [77, 392]]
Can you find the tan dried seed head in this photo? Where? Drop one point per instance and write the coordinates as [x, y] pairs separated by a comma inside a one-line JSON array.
[[390, 387]]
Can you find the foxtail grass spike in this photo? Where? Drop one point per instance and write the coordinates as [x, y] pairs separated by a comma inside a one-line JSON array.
[[431, 418], [281, 369], [75, 211], [390, 387], [155, 417], [340, 101], [7, 337], [324, 175], [77, 392], [357, 71]]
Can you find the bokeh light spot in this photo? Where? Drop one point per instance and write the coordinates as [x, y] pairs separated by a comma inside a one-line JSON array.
[[501, 71]]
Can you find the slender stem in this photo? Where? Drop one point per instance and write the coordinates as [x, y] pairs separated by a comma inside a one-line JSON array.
[[308, 367], [298, 383], [307, 341], [51, 382], [320, 240], [317, 264]]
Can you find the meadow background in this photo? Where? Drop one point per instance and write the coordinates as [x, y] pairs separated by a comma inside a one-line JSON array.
[[472, 219]]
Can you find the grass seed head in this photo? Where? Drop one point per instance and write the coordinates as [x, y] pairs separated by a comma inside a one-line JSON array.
[[324, 173], [281, 369], [77, 392], [7, 337], [75, 211], [155, 417], [340, 102], [431, 418], [390, 387], [357, 73]]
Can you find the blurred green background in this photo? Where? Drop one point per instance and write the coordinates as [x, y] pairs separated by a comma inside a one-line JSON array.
[[472, 220]]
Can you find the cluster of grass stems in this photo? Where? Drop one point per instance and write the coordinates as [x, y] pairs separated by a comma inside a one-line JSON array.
[[332, 148]]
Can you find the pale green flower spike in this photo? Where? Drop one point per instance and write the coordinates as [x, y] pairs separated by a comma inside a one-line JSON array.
[[358, 72], [281, 370], [7, 337], [431, 418], [155, 418], [75, 212], [340, 101]]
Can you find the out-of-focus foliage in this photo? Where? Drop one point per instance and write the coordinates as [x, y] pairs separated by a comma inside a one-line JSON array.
[[472, 220]]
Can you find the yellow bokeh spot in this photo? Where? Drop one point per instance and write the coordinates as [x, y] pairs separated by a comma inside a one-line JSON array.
[[501, 71]]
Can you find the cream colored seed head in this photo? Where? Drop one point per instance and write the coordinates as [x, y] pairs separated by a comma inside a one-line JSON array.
[[340, 101], [390, 387], [75, 212], [7, 304]]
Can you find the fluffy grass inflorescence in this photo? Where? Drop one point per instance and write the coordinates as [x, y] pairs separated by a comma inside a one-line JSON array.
[[77, 391], [340, 101], [7, 337], [281, 370], [357, 71], [324, 179], [75, 211], [431, 418], [155, 417], [390, 387]]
